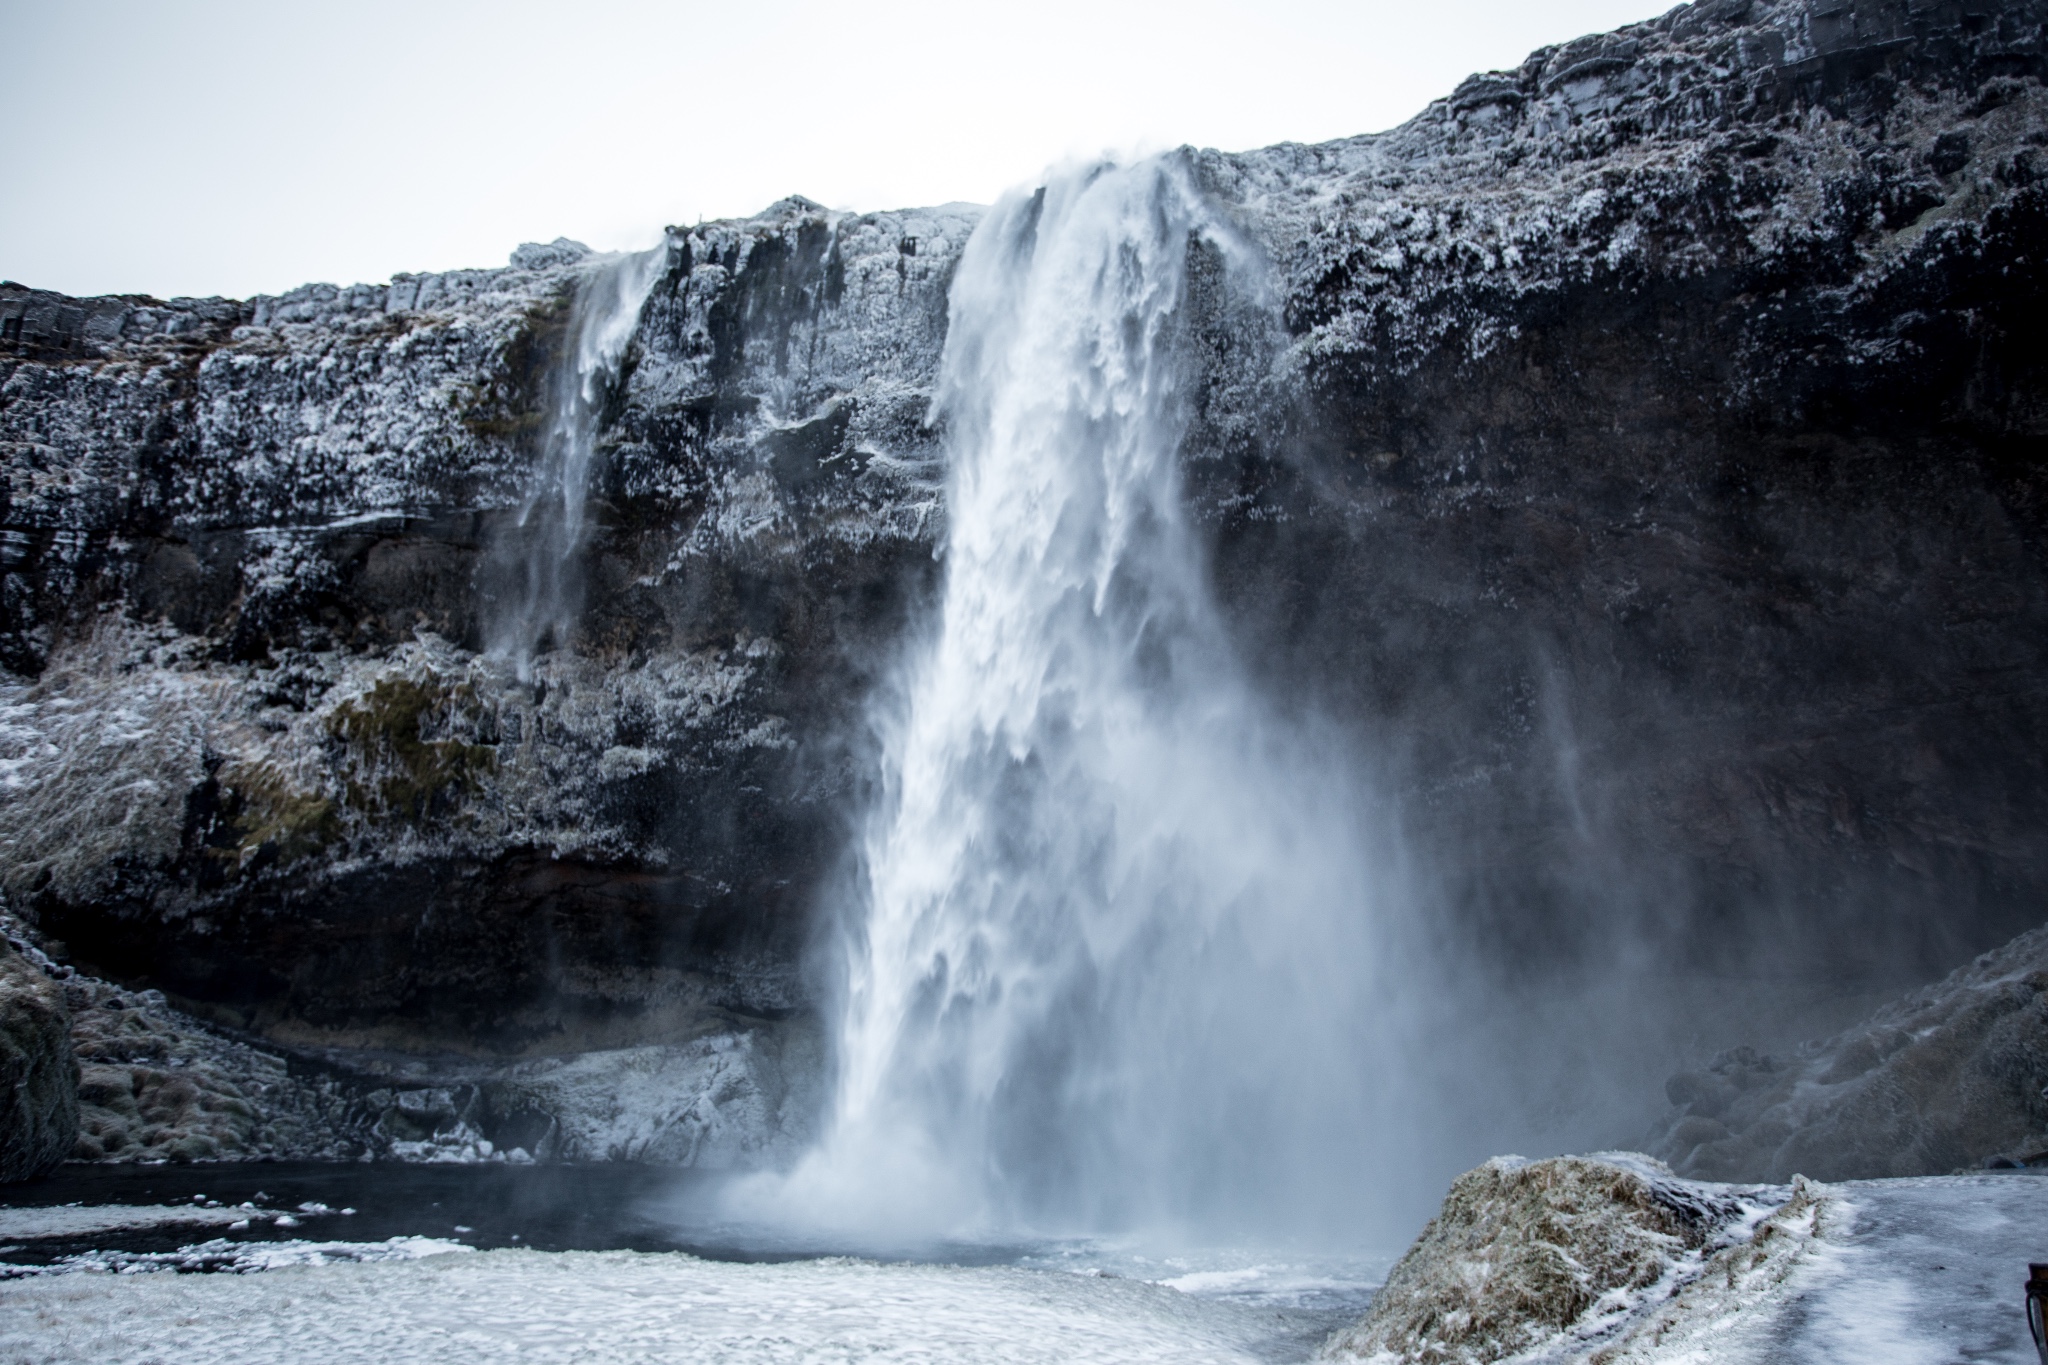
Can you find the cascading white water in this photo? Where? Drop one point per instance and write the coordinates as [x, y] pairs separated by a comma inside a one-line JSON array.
[[540, 563], [1115, 953]]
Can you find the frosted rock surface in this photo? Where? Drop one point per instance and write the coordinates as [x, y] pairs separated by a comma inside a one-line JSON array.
[[1525, 1256], [1952, 1075], [1609, 1260], [730, 1100]]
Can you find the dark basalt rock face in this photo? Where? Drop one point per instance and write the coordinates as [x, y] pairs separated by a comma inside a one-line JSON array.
[[1663, 487], [1635, 457], [259, 760], [38, 1073], [1659, 485]]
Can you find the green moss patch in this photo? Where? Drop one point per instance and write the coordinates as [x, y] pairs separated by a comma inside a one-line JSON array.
[[275, 814], [409, 756]]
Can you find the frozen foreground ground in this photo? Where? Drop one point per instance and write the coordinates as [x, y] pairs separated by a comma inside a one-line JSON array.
[[1925, 1271], [1893, 1272], [626, 1306], [1902, 1272]]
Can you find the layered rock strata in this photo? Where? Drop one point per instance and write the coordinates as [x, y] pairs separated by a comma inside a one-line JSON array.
[[1635, 457], [146, 1081]]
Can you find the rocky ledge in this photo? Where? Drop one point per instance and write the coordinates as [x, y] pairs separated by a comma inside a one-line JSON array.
[[1636, 456], [1952, 1076]]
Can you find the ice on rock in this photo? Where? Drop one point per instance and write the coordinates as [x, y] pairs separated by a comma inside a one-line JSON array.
[[74, 1220], [548, 256], [221, 1256], [1610, 1260]]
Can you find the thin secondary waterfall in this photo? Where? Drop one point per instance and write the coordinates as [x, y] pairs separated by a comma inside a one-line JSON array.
[[1115, 928], [540, 564]]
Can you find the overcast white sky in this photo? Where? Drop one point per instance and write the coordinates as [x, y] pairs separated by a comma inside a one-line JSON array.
[[221, 147]]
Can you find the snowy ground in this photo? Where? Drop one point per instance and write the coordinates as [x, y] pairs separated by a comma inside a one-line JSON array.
[[627, 1306], [1914, 1272], [1901, 1272]]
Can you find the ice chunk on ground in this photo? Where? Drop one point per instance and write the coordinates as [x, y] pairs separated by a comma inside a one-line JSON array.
[[73, 1220], [239, 1258]]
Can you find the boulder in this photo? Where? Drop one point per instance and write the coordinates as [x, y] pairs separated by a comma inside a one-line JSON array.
[[156, 1084], [1524, 1250], [1605, 1258], [38, 1074]]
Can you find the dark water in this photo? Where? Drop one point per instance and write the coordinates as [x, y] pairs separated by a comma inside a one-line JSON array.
[[609, 1207], [550, 1208], [546, 1208]]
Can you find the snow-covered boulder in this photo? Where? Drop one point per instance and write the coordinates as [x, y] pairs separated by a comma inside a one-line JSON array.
[[1575, 1258]]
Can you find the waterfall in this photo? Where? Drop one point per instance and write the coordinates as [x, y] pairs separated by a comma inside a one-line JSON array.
[[1114, 939], [539, 564]]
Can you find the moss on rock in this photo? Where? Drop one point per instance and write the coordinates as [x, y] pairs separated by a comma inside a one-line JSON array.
[[410, 756], [1523, 1251], [276, 816]]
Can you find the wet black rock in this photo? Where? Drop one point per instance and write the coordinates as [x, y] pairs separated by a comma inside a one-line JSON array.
[[352, 829], [38, 1074], [1661, 482]]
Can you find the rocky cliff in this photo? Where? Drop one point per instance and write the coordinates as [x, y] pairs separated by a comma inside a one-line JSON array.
[[256, 756], [1953, 1076], [1636, 455]]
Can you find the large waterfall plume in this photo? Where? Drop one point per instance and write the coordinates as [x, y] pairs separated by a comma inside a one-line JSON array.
[[539, 564], [1116, 946]]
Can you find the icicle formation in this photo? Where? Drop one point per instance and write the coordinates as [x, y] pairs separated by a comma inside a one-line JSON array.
[[541, 562], [1114, 933]]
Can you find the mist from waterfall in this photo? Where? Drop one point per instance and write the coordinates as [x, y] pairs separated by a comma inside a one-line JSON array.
[[539, 564], [1115, 959]]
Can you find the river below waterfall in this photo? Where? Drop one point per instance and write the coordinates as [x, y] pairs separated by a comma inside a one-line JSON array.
[[604, 1264], [619, 1251]]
